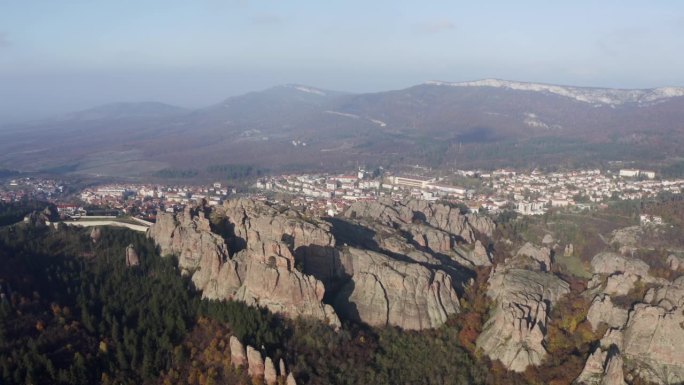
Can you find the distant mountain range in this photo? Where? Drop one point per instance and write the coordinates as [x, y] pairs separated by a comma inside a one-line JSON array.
[[485, 123]]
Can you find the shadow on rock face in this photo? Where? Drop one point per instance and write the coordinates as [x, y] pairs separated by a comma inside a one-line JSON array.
[[353, 234], [223, 227], [342, 304]]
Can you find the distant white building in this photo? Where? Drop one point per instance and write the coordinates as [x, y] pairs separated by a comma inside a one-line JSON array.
[[411, 181], [560, 202], [629, 173], [648, 174], [530, 208], [646, 219], [448, 189]]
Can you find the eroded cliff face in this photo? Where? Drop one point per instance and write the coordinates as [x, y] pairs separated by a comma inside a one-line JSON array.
[[434, 227], [381, 291], [260, 270], [279, 258], [515, 331], [644, 339]]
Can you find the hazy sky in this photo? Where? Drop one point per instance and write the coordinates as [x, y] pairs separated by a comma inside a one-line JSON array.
[[58, 55]]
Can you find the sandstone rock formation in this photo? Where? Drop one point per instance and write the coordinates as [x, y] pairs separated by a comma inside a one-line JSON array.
[[675, 262], [515, 331], [593, 370], [247, 251], [603, 367], [627, 237], [435, 228], [617, 275], [281, 367], [95, 234], [260, 270], [436, 216], [647, 341], [270, 375], [480, 256], [132, 258], [540, 257], [238, 356], [614, 374], [609, 263], [383, 291], [602, 310], [255, 363], [257, 367], [654, 338], [569, 250]]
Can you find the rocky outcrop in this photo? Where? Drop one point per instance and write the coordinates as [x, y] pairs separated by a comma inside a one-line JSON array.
[[188, 235], [609, 263], [603, 367], [605, 364], [266, 232], [674, 262], [258, 269], [435, 228], [288, 292], [669, 296], [42, 218], [602, 311], [258, 367], [654, 338], [569, 250], [538, 258], [238, 357], [281, 367], [482, 224], [627, 237], [593, 370], [479, 255], [383, 291], [617, 275], [410, 212], [646, 342], [614, 374], [255, 363], [515, 331], [95, 234], [431, 238], [247, 251], [132, 258], [270, 374]]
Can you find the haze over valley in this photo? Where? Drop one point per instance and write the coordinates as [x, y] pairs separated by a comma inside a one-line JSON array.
[[240, 192], [487, 123]]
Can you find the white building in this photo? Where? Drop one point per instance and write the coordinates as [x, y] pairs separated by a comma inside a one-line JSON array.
[[648, 174], [629, 173], [411, 181]]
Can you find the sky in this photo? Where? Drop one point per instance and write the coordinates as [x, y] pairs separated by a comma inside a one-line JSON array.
[[66, 55]]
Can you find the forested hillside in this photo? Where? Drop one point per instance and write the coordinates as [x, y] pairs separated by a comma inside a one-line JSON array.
[[73, 313]]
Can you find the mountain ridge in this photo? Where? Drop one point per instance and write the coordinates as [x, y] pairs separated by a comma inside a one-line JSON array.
[[488, 123], [602, 95]]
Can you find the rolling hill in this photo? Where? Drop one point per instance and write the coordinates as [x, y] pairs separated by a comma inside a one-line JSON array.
[[486, 123]]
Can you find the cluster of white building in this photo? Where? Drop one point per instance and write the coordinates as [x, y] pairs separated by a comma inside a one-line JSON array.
[[635, 173], [168, 196], [531, 193], [349, 187], [16, 189], [534, 193]]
